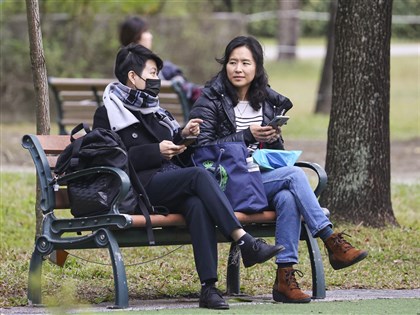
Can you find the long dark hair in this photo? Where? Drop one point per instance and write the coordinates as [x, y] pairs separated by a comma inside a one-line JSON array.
[[257, 91], [132, 29]]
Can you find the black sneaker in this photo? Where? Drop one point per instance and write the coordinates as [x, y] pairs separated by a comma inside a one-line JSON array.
[[256, 250], [210, 297]]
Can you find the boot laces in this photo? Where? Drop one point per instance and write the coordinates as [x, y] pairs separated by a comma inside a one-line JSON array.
[[236, 253], [291, 279], [341, 242], [256, 245]]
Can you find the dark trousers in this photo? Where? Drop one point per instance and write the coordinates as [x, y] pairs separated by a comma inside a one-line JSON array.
[[195, 194]]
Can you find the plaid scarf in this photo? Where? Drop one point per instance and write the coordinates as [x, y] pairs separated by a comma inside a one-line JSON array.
[[119, 100]]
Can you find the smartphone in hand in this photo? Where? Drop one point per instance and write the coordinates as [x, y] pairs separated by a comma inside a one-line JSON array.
[[187, 140], [278, 121]]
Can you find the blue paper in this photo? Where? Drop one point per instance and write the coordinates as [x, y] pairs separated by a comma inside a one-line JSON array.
[[269, 159]]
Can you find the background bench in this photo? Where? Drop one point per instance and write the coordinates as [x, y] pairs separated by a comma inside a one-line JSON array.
[[76, 100], [115, 230]]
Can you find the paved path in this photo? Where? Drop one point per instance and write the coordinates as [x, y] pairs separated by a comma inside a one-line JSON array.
[[139, 305], [305, 52]]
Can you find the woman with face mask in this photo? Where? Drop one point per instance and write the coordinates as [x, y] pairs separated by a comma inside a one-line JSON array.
[[150, 134]]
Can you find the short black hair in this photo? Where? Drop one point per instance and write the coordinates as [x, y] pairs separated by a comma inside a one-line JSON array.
[[133, 57]]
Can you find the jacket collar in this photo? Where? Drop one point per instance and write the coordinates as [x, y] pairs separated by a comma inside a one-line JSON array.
[[277, 102], [215, 88]]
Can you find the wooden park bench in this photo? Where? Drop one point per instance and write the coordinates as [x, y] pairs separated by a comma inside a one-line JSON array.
[[76, 100], [114, 230]]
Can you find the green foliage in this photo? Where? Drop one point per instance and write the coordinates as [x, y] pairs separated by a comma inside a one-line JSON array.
[[406, 7], [89, 8], [80, 38], [316, 28], [14, 63], [391, 264]]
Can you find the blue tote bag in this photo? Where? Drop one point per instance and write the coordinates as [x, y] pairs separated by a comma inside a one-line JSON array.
[[238, 177]]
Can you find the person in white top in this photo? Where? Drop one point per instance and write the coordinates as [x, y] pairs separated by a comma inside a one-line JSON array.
[[237, 106]]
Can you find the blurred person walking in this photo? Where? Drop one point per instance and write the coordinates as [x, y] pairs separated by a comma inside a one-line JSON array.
[[136, 30]]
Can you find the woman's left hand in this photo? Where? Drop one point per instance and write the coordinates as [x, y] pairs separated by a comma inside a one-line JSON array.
[[276, 136], [265, 133], [192, 128]]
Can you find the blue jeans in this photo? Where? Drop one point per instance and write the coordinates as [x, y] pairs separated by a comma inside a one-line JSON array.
[[290, 194]]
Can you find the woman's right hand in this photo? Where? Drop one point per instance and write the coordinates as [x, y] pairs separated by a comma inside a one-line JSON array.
[[168, 149]]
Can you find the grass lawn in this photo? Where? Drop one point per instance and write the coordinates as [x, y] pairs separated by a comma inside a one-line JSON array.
[[392, 263], [394, 306]]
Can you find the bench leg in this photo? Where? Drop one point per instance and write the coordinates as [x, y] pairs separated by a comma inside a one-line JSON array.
[[318, 276], [106, 238], [34, 280], [233, 271]]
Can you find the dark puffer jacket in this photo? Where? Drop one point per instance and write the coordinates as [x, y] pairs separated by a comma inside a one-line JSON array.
[[217, 111]]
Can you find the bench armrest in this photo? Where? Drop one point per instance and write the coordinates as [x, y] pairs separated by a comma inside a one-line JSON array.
[[55, 227], [123, 187], [322, 175]]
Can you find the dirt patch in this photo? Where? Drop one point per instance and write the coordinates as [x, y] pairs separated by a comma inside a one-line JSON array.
[[405, 157]]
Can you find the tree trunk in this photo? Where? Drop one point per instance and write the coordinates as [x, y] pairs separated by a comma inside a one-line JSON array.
[[39, 75], [358, 149], [288, 28], [323, 101]]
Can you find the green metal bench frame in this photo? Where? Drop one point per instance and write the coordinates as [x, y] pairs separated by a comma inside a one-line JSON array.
[[115, 230]]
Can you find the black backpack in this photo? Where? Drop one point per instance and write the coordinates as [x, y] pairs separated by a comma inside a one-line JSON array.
[[93, 195]]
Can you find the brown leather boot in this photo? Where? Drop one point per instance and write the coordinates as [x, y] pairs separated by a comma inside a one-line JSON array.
[[286, 289], [341, 253]]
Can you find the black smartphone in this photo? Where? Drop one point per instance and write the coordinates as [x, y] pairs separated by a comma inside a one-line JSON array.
[[278, 121], [187, 140]]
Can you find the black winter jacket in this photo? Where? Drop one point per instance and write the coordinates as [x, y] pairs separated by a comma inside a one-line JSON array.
[[217, 111], [142, 142]]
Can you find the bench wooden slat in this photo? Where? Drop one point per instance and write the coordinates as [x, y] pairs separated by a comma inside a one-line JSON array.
[[53, 144], [73, 122], [76, 95], [62, 202], [80, 84], [62, 199], [52, 160], [178, 220], [81, 104]]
